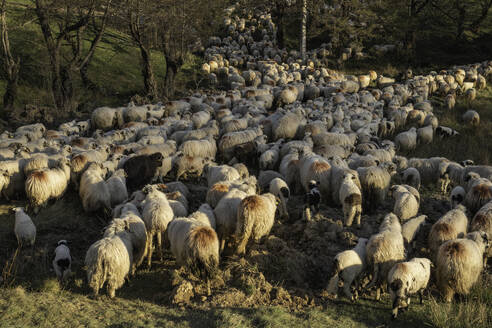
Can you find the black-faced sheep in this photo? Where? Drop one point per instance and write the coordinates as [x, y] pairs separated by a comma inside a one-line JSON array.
[[407, 278]]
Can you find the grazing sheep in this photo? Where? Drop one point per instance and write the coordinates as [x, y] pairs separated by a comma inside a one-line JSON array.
[[425, 135], [94, 191], [411, 176], [406, 204], [156, 214], [131, 222], [410, 230], [457, 196], [351, 200], [459, 264], [471, 117], [383, 250], [24, 228], [255, 218], [375, 183], [62, 263], [451, 225], [45, 184], [280, 189], [141, 169], [407, 278], [407, 140], [109, 260], [226, 215], [117, 187], [479, 193], [185, 165], [196, 246], [221, 173], [347, 267]]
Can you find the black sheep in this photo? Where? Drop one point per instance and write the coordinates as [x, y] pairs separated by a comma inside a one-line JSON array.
[[140, 170]]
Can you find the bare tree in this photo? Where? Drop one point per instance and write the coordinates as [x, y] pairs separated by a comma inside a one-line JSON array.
[[304, 13], [11, 65], [65, 22]]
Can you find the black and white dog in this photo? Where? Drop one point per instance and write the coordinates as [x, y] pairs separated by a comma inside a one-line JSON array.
[[312, 198], [62, 262]]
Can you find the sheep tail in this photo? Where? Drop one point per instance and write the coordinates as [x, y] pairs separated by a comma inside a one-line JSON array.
[[97, 273], [202, 248]]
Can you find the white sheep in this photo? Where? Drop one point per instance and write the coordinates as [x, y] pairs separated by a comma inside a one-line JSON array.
[[226, 215], [347, 267], [24, 228], [482, 221], [205, 215], [384, 249], [459, 264], [406, 204], [411, 176], [471, 117], [156, 213], [62, 263], [196, 246], [407, 278], [407, 140], [45, 184], [221, 173], [117, 187], [109, 260], [457, 196], [375, 183], [410, 230], [280, 189], [351, 199], [451, 225], [94, 191], [255, 218]]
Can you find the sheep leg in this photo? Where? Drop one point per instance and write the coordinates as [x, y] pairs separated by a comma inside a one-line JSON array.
[[222, 244], [244, 235], [159, 244], [374, 277], [421, 296], [150, 238], [378, 294], [347, 292], [307, 213], [208, 287], [447, 294], [349, 214], [394, 311], [357, 217]]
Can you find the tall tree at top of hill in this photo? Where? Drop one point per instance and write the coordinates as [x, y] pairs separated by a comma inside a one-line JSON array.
[[142, 20], [181, 25], [70, 23], [11, 65]]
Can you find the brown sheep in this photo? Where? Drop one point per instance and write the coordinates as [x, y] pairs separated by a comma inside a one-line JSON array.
[[141, 169]]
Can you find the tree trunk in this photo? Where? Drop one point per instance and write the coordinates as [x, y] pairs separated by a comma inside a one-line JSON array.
[[171, 71], [150, 84], [303, 30], [11, 66], [10, 94]]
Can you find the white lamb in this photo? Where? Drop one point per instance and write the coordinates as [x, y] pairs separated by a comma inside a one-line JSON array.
[[406, 204], [347, 266], [24, 228]]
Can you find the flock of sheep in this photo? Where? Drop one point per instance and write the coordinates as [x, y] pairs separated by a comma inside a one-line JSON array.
[[304, 129]]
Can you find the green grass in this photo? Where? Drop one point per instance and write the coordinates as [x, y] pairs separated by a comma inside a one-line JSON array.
[[473, 142]]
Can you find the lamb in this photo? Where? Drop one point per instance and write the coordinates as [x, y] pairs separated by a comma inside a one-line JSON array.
[[405, 279], [255, 218], [62, 263], [384, 249], [471, 117], [410, 230], [280, 189], [141, 169], [132, 223], [351, 199], [226, 215], [406, 204], [375, 182], [94, 191], [109, 260], [196, 246], [43, 185], [450, 226], [411, 176], [156, 214], [221, 173], [459, 264], [457, 196], [347, 267], [117, 187], [24, 228]]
